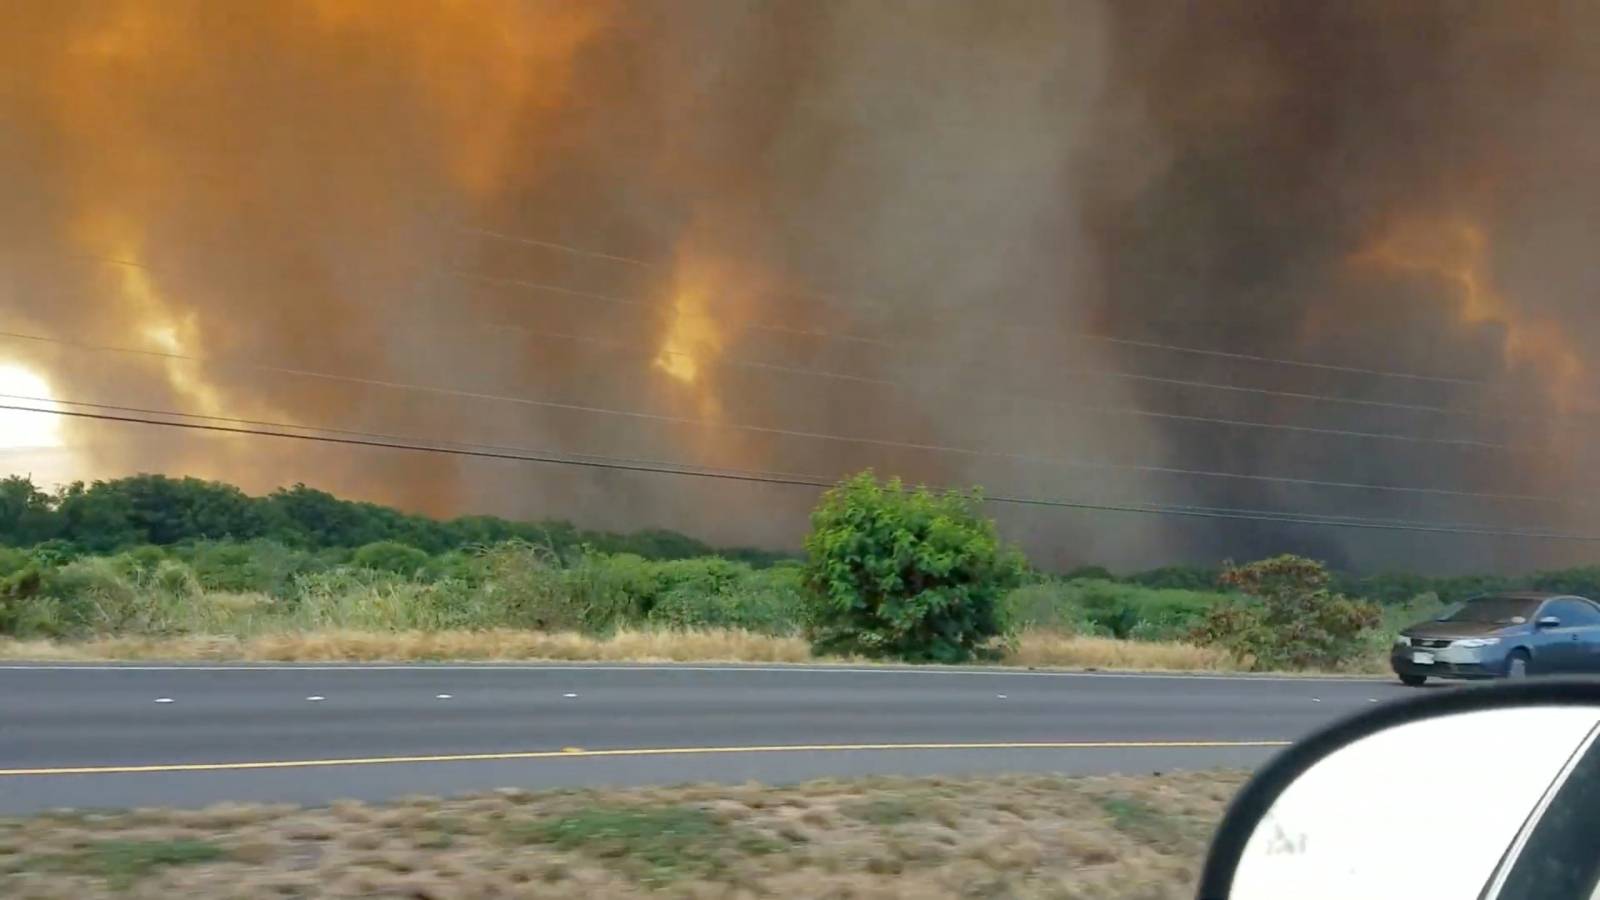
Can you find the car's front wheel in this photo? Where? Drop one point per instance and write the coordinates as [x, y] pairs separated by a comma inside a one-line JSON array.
[[1517, 664], [1413, 680]]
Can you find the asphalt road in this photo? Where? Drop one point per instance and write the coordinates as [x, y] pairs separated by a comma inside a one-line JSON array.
[[120, 736]]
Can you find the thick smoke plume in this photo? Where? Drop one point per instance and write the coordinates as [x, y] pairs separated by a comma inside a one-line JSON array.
[[892, 222]]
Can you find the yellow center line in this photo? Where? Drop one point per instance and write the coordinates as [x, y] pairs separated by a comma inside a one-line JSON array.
[[577, 753]]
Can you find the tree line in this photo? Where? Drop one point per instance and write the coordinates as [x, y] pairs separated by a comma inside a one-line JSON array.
[[141, 510]]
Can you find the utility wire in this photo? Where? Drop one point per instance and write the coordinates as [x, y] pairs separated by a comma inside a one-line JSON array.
[[800, 481], [1134, 411], [525, 284], [1088, 336], [772, 431], [389, 436], [547, 287], [676, 466]]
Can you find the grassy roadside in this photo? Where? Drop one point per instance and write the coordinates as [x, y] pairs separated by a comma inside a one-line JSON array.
[[1033, 648], [1015, 836]]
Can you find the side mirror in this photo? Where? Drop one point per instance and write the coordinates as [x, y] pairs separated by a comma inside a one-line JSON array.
[[1489, 792], [1548, 622]]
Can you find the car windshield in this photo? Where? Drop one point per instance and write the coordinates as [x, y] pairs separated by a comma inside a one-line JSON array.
[[1494, 610]]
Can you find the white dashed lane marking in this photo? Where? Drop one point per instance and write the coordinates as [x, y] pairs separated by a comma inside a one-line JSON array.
[[441, 696], [570, 696], [316, 699], [163, 699]]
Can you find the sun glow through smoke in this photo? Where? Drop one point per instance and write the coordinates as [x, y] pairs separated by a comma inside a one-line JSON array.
[[27, 429], [159, 327]]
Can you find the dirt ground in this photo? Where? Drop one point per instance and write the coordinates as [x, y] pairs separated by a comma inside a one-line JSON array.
[[1033, 836]]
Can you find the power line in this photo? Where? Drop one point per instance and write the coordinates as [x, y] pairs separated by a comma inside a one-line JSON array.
[[1140, 412], [527, 284], [1194, 384], [1089, 336], [387, 436], [752, 477], [551, 245], [1179, 382], [780, 432]]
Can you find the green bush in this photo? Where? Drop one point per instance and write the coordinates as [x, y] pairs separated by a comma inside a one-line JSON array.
[[391, 556], [530, 587], [1188, 578], [1122, 610], [1584, 581], [906, 574], [1111, 608], [19, 591], [13, 561], [768, 601], [1290, 619], [113, 595], [53, 552], [369, 600], [1046, 605], [261, 565]]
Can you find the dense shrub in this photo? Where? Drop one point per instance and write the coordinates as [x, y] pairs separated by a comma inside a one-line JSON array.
[[1110, 608], [391, 556], [260, 565], [13, 560], [1290, 619], [907, 574], [1584, 581], [1188, 578], [769, 601], [530, 587], [1045, 604]]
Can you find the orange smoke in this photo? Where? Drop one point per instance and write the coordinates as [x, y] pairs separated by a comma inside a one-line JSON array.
[[694, 334], [1455, 252], [213, 168]]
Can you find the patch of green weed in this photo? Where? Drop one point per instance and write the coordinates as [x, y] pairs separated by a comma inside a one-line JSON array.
[[886, 811], [121, 863], [1141, 821], [655, 845]]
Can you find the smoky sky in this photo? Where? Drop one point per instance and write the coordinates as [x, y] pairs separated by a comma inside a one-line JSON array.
[[825, 236]]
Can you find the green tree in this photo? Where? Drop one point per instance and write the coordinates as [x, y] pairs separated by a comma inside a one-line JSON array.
[[907, 574], [98, 521], [1289, 619], [27, 515]]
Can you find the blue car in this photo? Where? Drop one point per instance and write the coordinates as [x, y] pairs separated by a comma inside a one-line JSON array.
[[1502, 636]]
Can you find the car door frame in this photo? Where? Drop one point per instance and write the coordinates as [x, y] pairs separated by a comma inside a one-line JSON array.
[[1586, 656], [1560, 649]]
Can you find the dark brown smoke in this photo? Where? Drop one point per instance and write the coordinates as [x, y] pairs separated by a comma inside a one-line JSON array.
[[1384, 186], [940, 195]]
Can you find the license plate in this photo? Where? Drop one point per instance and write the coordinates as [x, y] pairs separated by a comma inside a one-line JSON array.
[[1420, 658]]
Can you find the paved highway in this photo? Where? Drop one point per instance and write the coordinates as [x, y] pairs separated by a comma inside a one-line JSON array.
[[129, 735]]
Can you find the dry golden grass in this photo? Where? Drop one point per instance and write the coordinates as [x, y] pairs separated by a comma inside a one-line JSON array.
[[1083, 652], [1034, 648], [1015, 836], [366, 646]]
